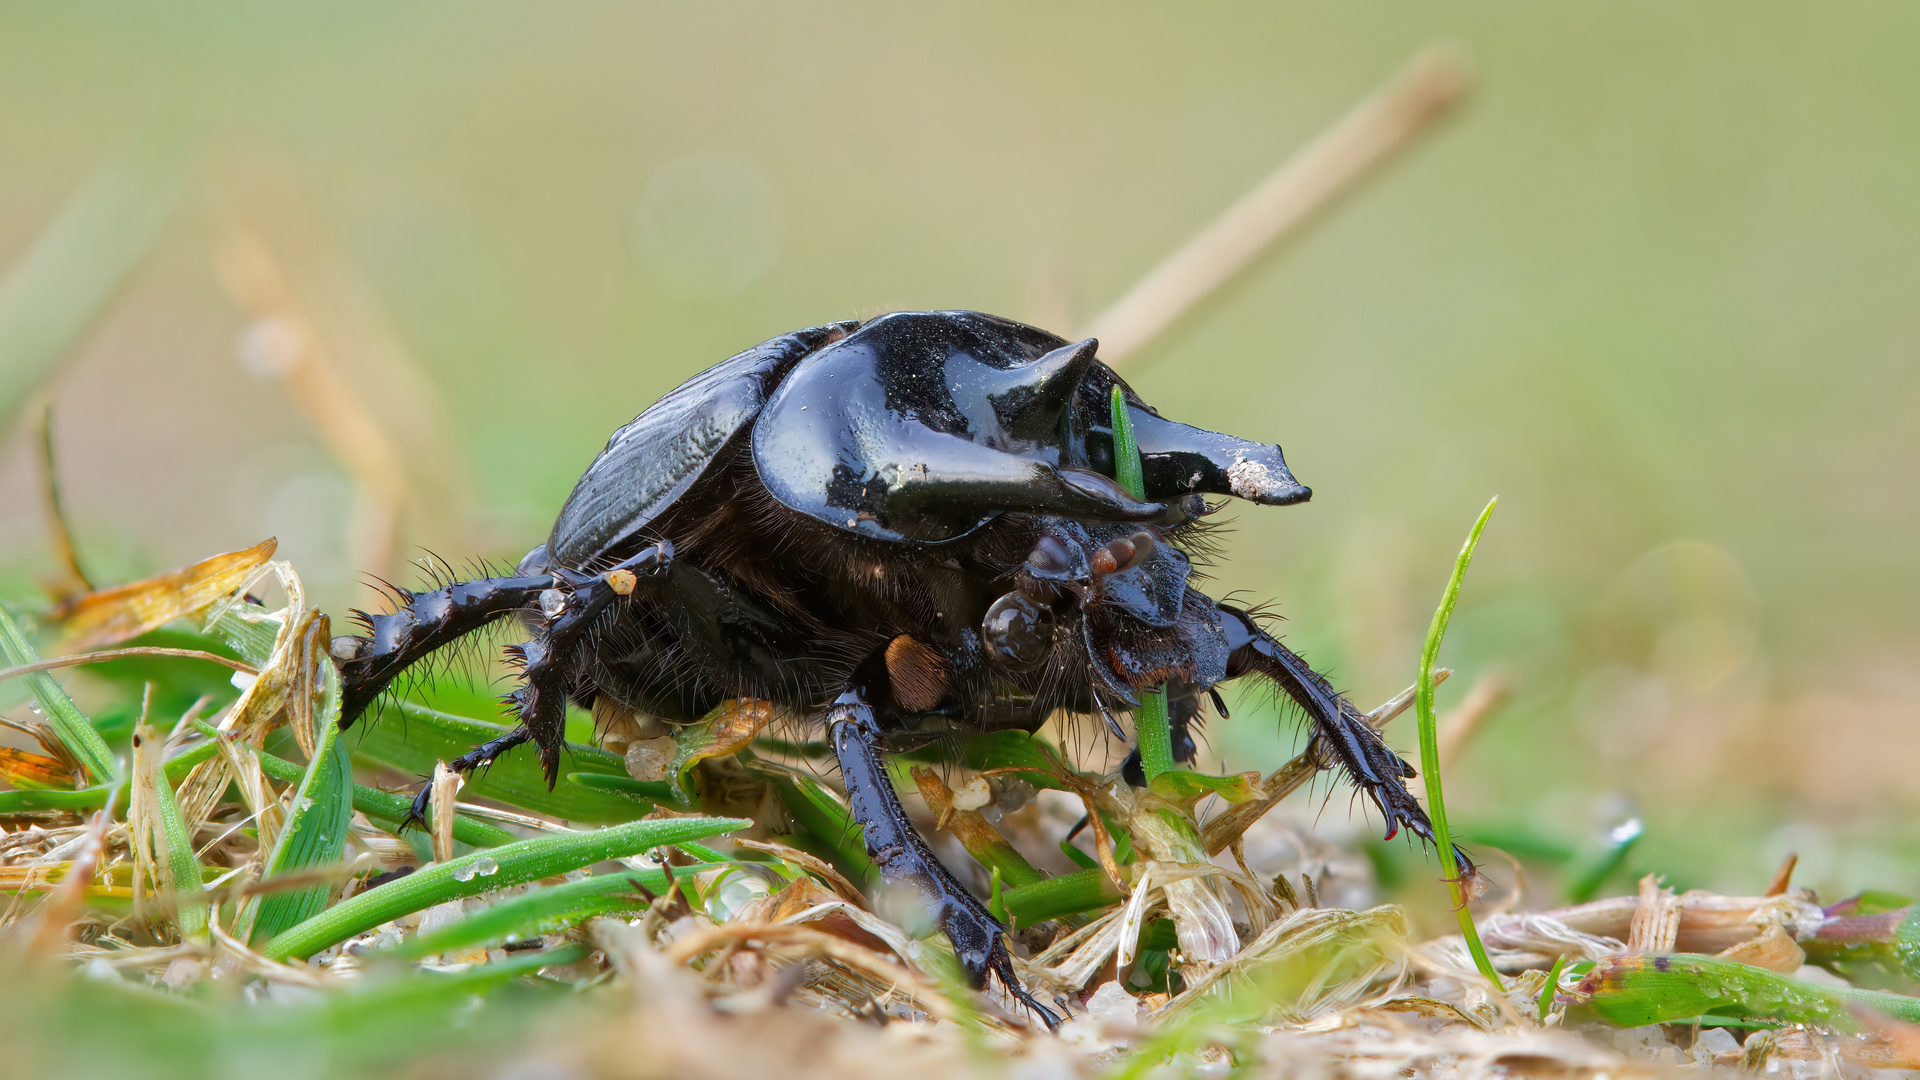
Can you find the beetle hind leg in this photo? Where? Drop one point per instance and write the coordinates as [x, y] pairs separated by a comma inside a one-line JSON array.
[[420, 623]]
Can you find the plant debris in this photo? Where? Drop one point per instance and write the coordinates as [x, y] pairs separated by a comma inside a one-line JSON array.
[[232, 874]]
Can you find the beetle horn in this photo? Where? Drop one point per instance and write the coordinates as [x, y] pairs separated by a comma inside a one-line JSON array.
[[1029, 398], [1179, 458]]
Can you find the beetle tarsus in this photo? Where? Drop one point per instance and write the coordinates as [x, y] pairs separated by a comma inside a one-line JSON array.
[[477, 758]]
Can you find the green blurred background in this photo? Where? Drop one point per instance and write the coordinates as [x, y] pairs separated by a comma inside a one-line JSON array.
[[1654, 284]]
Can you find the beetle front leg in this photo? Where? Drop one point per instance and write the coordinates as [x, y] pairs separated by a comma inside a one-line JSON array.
[[1356, 747], [896, 847]]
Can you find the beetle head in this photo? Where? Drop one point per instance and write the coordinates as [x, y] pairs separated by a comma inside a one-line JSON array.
[[1115, 595], [923, 426]]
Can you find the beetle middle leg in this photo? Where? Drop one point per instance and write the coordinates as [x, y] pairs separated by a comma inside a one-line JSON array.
[[896, 847]]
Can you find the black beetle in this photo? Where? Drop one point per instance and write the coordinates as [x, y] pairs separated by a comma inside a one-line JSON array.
[[884, 524]]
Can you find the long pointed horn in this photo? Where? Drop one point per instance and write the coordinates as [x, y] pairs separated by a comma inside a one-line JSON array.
[[1179, 458], [1029, 399]]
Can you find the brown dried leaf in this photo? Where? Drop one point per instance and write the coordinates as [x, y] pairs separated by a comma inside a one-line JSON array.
[[109, 616], [1772, 949]]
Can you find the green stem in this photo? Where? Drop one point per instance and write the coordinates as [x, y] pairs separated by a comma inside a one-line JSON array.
[[1059, 897], [1552, 986], [93, 798], [1151, 730], [1430, 748]]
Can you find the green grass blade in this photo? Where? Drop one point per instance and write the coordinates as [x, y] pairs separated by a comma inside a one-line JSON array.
[[75, 731], [546, 910], [1059, 897], [469, 875], [1126, 452], [189, 897], [1430, 745], [1586, 885], [827, 822], [1634, 991], [316, 832], [93, 798], [1152, 732], [411, 738], [1552, 985], [180, 870], [90, 798], [1887, 939], [653, 791], [401, 1012]]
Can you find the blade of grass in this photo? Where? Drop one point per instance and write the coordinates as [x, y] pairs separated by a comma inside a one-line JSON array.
[[653, 791], [1152, 732], [1889, 940], [1587, 884], [69, 723], [124, 612], [1634, 991], [93, 798], [417, 737], [189, 889], [1430, 747], [825, 819], [469, 875], [1061, 896], [547, 910], [155, 815], [1552, 984], [316, 833]]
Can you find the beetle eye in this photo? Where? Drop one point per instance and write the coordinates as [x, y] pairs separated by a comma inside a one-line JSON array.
[[1017, 631]]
